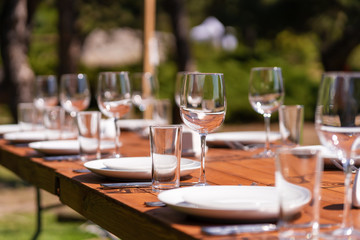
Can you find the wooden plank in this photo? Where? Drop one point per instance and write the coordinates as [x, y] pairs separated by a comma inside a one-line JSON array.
[[123, 213], [128, 221]]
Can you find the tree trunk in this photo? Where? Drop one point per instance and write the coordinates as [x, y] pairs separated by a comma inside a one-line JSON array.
[[15, 34], [185, 61], [69, 38], [179, 22], [335, 56]]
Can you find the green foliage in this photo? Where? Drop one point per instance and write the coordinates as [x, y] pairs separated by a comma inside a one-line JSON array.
[[43, 47], [297, 54], [5, 116]]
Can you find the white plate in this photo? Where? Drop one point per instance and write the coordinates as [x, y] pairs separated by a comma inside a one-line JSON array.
[[65, 146], [232, 202], [141, 164], [8, 128], [129, 124], [33, 136], [133, 124], [245, 137], [144, 172]]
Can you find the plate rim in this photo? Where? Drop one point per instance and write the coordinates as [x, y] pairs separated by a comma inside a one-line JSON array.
[[191, 167], [36, 145], [214, 137], [200, 211]]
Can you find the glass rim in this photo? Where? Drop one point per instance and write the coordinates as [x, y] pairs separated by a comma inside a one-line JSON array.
[[303, 149], [170, 126], [265, 68], [295, 105], [200, 73], [88, 112], [115, 72], [341, 73], [72, 74], [49, 76]]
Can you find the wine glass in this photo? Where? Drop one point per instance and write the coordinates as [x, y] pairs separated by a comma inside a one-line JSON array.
[[45, 95], [180, 76], [46, 92], [74, 93], [266, 94], [203, 107], [144, 89], [114, 99], [338, 127]]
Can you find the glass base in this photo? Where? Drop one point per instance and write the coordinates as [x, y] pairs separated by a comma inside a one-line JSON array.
[[265, 154], [341, 233]]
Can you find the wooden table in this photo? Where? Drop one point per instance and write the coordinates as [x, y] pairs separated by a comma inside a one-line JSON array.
[[123, 212]]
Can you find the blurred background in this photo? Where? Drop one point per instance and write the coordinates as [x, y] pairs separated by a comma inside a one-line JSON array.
[[303, 37]]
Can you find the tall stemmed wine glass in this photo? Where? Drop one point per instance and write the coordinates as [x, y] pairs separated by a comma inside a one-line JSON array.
[[45, 94], [144, 89], [180, 77], [266, 94], [203, 107], [338, 127], [114, 99], [74, 93]]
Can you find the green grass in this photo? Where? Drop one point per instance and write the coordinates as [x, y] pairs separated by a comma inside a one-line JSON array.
[[22, 226], [5, 116]]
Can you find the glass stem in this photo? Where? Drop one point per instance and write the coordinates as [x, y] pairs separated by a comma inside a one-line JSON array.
[[117, 138], [347, 219], [267, 131], [202, 179]]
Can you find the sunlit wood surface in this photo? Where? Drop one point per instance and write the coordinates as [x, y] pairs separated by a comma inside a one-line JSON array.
[[123, 212]]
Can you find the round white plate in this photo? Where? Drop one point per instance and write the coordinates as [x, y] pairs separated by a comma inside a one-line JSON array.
[[65, 146], [133, 124], [8, 128], [33, 136], [232, 202], [245, 137], [187, 166]]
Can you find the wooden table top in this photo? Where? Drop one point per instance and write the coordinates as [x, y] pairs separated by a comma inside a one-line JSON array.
[[123, 212]]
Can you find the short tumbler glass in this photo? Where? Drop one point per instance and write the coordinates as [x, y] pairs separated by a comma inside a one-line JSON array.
[[298, 178], [165, 147], [88, 123]]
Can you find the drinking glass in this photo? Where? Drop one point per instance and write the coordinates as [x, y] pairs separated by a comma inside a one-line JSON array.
[[45, 94], [144, 89], [26, 116], [88, 124], [203, 107], [338, 127], [180, 76], [266, 94], [114, 99], [74, 93]]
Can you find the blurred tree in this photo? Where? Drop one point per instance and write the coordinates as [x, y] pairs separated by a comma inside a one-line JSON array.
[[15, 30], [179, 22], [335, 23], [69, 49]]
